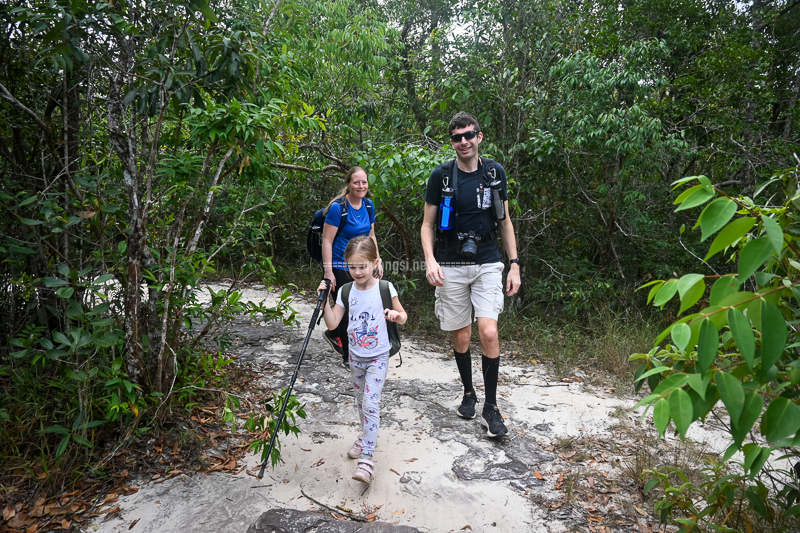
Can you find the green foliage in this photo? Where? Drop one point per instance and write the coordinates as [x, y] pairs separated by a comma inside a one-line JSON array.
[[266, 423], [740, 347]]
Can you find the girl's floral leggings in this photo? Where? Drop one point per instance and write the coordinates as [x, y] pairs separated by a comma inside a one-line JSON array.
[[369, 375]]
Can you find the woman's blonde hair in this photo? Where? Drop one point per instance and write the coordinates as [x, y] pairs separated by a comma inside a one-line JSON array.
[[362, 245], [346, 190]]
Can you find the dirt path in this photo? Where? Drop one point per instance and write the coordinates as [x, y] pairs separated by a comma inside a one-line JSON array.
[[434, 471]]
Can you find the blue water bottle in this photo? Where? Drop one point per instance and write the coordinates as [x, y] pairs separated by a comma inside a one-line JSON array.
[[446, 209]]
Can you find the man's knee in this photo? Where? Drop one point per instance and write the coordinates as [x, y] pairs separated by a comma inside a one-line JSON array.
[[487, 330]]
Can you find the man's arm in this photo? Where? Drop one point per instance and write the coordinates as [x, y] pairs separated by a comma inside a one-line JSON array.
[[510, 245], [433, 272]]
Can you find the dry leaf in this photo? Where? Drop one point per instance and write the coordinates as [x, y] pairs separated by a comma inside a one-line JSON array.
[[411, 460], [157, 501], [591, 481], [371, 516], [87, 214], [339, 517], [20, 520], [538, 475], [32, 529], [8, 513], [395, 471], [401, 511], [133, 523], [66, 524], [467, 527]]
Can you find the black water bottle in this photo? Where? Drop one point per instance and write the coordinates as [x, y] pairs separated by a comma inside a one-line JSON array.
[[499, 205]]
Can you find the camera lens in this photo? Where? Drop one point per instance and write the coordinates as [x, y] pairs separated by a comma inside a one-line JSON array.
[[469, 249]]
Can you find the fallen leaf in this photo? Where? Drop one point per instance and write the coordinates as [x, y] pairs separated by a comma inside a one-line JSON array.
[[305, 449], [157, 501], [605, 491], [20, 520], [8, 513], [591, 481], [338, 516], [411, 460], [133, 523], [66, 524], [32, 529], [401, 511], [395, 471], [538, 475], [370, 516], [467, 527]]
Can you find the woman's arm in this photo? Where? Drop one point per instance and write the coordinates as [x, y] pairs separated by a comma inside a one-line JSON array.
[[328, 236]]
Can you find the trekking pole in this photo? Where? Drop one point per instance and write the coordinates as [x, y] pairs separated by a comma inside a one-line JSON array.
[[323, 296]]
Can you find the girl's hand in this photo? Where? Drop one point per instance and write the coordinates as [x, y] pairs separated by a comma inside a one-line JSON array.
[[321, 287], [391, 315]]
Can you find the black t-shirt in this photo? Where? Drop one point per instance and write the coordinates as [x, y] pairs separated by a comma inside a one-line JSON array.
[[475, 213]]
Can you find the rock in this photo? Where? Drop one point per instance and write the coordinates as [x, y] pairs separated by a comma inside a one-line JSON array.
[[292, 521]]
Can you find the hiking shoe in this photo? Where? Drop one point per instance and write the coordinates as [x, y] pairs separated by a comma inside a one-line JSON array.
[[467, 408], [355, 450], [363, 471], [334, 341], [346, 361], [493, 420]]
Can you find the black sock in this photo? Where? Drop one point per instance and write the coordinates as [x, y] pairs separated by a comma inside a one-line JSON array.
[[491, 369], [464, 364]]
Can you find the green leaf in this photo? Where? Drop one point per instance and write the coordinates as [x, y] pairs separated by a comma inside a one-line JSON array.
[[666, 292], [661, 415], [723, 287], [702, 406], [715, 216], [743, 335], [698, 384], [65, 292], [61, 430], [687, 282], [654, 291], [698, 197], [753, 256], [732, 394], [30, 222], [707, 345], [681, 334], [692, 295], [680, 409], [62, 446], [103, 279], [730, 234], [753, 405], [773, 335], [649, 485], [208, 12], [760, 461], [675, 381], [61, 338], [781, 419], [53, 282], [774, 233]]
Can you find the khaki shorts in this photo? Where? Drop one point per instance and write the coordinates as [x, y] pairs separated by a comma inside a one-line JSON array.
[[477, 288]]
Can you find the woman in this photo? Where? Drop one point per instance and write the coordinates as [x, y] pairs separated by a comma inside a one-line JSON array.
[[360, 221]]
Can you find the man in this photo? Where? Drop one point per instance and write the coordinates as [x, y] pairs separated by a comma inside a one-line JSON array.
[[471, 282]]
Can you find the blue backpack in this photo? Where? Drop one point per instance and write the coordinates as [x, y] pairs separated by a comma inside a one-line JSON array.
[[314, 237]]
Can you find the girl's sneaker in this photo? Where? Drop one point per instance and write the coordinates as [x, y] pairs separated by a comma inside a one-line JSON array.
[[363, 471], [355, 450]]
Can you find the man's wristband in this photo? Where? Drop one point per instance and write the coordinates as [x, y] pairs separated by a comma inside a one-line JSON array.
[[513, 261]]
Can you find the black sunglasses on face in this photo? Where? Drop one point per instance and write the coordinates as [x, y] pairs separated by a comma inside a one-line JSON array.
[[468, 135]]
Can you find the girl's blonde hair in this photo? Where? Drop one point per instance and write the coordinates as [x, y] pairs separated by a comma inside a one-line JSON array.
[[346, 190], [362, 245]]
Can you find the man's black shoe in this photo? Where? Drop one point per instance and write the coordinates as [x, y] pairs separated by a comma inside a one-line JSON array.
[[334, 341], [493, 420], [346, 361], [467, 408]]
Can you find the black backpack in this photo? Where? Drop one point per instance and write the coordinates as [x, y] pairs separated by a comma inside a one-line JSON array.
[[386, 299], [314, 237]]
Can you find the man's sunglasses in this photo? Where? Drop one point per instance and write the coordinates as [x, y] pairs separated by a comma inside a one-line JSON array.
[[468, 135]]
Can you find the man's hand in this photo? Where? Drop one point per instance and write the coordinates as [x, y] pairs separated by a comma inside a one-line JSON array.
[[434, 274], [328, 274], [513, 280]]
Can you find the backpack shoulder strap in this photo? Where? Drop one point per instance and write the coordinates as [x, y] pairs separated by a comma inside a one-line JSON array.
[[370, 208], [345, 292], [386, 296], [343, 220], [391, 327]]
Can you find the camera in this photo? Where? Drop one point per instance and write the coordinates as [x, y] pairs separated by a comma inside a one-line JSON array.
[[469, 246]]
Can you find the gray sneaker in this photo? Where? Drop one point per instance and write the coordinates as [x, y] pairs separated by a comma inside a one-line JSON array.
[[467, 407], [493, 421]]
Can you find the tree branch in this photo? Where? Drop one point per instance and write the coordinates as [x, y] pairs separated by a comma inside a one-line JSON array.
[[19, 105]]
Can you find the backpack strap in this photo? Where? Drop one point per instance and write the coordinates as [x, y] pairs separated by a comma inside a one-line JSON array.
[[343, 220], [345, 292], [391, 327], [370, 209]]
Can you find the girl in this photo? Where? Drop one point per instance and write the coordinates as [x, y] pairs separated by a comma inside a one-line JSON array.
[[369, 344], [360, 221]]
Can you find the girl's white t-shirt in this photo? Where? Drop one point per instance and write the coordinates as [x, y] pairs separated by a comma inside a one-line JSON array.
[[366, 328]]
